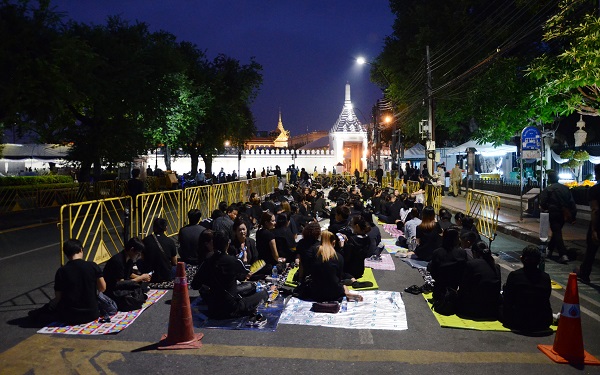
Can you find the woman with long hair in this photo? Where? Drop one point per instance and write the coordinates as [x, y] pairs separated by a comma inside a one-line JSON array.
[[479, 288], [327, 273], [427, 234], [242, 246]]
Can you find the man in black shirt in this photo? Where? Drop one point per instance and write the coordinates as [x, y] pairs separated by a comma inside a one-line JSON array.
[[120, 266], [189, 236], [160, 253], [76, 287]]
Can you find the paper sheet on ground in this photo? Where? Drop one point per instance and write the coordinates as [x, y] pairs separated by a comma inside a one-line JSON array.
[[390, 246], [454, 321], [118, 322], [379, 310], [367, 276], [386, 263]]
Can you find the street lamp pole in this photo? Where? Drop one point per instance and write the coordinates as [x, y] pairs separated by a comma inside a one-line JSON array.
[[431, 139]]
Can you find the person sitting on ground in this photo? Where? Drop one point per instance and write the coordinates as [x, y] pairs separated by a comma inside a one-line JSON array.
[[327, 273], [468, 225], [427, 235], [386, 215], [458, 217], [265, 239], [526, 295], [410, 229], [217, 279], [445, 218], [319, 208], [479, 289], [242, 246], [374, 234], [225, 222], [160, 253], [76, 288], [120, 266], [355, 248], [340, 219], [188, 237], [307, 249], [285, 239], [468, 239], [447, 263]]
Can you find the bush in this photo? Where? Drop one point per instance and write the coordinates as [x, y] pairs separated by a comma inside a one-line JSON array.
[[34, 180]]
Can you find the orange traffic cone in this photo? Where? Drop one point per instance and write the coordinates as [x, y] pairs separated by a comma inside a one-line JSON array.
[[181, 329], [568, 342]]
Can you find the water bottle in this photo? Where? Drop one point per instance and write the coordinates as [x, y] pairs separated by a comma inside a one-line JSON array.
[[259, 286], [344, 304], [274, 272]]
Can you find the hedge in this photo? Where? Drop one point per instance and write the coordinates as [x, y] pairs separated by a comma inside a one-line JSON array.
[[34, 180]]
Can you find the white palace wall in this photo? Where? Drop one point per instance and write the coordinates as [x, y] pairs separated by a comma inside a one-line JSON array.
[[258, 159]]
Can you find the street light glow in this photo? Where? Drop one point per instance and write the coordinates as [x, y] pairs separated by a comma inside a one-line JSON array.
[[388, 119], [361, 60]]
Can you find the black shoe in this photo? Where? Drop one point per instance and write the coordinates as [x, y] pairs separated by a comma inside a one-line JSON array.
[[413, 289], [361, 284]]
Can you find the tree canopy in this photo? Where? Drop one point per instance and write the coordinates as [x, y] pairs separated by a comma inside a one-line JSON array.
[[115, 90]]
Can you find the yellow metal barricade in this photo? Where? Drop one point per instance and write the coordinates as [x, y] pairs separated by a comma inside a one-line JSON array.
[[412, 186], [197, 197], [99, 225], [399, 185], [433, 197], [484, 208], [166, 204]]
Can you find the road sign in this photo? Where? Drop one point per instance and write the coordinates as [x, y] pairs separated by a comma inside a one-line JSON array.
[[531, 138], [531, 154]]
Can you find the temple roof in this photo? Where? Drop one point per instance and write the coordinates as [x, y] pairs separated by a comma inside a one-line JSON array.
[[347, 122]]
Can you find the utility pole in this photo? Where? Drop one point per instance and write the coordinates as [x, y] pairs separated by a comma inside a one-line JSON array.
[[431, 139]]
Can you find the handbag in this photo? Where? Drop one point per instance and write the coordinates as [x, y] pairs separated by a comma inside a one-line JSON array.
[[326, 307], [129, 295]]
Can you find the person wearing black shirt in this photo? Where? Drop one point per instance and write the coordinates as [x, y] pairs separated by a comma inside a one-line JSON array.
[[447, 263], [76, 287], [188, 237], [340, 220], [428, 235], [307, 249], [526, 295], [160, 253], [379, 174], [217, 279], [355, 248], [120, 266], [265, 239]]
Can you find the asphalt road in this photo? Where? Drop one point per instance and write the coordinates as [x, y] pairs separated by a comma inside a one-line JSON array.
[[29, 258]]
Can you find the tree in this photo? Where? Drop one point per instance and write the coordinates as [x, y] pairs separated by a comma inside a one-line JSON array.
[[568, 73]]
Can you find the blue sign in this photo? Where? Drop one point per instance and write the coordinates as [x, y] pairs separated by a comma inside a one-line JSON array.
[[531, 138]]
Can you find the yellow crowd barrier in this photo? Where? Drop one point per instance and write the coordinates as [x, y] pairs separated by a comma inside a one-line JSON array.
[[412, 186], [433, 197], [98, 224], [484, 208], [165, 204]]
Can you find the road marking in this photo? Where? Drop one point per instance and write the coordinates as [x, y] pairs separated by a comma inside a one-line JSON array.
[[44, 353], [30, 226], [30, 251], [366, 338]]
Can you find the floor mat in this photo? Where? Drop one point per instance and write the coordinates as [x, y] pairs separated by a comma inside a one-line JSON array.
[[386, 263], [454, 321], [390, 245], [272, 312], [190, 272], [367, 276], [118, 322], [378, 310], [392, 230], [416, 263]]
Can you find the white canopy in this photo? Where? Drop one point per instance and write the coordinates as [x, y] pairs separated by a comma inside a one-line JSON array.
[[486, 149]]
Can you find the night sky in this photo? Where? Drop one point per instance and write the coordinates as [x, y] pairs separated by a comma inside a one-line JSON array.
[[307, 47]]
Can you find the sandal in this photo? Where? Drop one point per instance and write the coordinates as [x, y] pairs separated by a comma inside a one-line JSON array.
[[414, 289]]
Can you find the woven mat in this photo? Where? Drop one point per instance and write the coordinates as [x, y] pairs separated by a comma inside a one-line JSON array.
[[454, 321], [118, 322], [367, 276], [386, 263], [378, 310], [272, 312]]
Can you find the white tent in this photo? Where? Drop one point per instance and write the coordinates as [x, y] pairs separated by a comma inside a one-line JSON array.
[[416, 152], [485, 149]]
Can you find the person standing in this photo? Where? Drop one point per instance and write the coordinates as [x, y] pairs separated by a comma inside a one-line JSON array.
[[135, 186], [248, 174], [455, 180], [593, 240], [379, 174], [556, 199]]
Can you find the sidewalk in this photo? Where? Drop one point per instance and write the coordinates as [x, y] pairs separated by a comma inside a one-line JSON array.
[[528, 229]]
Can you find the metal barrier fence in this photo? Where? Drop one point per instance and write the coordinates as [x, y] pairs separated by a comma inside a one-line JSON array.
[[101, 226], [433, 197], [166, 204], [412, 186], [399, 185], [484, 207]]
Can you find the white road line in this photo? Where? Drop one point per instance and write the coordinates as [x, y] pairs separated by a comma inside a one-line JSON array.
[[30, 251], [366, 338]]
